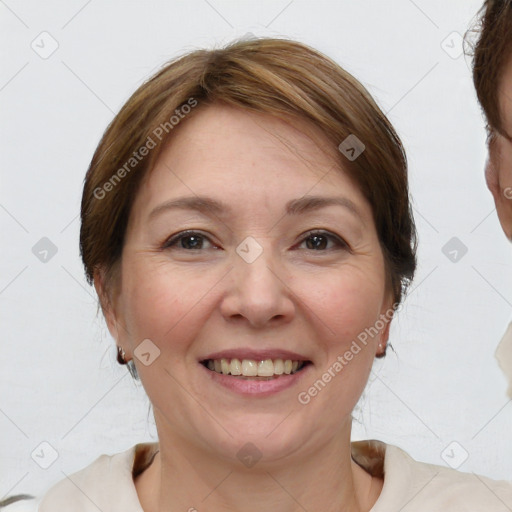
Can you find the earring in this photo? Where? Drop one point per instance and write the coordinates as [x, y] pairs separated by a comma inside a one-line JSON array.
[[382, 350], [131, 365], [121, 355]]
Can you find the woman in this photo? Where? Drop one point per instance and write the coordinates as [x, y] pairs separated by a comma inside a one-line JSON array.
[[492, 77], [246, 224]]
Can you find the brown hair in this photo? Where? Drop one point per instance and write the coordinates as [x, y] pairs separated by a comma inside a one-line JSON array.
[[282, 78], [491, 51]]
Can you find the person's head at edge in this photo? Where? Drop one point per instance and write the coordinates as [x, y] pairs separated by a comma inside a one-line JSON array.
[[244, 142], [492, 77]]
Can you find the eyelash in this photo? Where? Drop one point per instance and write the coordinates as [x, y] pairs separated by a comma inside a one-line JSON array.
[[172, 242]]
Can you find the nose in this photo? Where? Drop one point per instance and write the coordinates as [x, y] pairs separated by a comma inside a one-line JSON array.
[[258, 293]]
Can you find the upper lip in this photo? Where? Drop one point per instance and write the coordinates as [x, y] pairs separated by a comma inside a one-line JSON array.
[[256, 355]]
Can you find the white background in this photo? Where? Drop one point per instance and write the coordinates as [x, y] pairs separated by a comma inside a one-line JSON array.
[[59, 380]]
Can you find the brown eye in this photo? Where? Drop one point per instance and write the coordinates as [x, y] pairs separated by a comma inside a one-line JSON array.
[[319, 241], [192, 242], [187, 240]]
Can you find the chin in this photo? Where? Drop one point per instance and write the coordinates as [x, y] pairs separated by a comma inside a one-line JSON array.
[[262, 441]]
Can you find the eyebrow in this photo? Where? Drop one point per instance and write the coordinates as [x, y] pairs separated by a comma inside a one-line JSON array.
[[300, 206]]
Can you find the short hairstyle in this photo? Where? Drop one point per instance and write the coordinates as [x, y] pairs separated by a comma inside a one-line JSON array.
[[491, 50], [280, 78]]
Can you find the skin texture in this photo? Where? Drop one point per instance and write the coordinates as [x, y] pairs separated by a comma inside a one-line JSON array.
[[498, 171], [498, 174], [193, 302]]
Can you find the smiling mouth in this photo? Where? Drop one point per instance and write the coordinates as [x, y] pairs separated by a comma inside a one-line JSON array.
[[267, 369]]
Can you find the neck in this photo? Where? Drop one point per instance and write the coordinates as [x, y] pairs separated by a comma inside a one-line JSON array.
[[184, 477]]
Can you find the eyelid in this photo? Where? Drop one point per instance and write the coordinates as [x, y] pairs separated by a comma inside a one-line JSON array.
[[339, 241], [173, 239]]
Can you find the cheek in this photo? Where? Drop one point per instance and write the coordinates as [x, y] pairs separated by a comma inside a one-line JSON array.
[[349, 308], [161, 304], [345, 302], [505, 168], [170, 305], [498, 171]]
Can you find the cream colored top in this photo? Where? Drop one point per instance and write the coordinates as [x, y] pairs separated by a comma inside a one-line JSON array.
[[504, 357], [409, 486]]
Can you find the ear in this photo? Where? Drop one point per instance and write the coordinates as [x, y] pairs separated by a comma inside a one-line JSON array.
[[384, 337], [386, 316], [106, 303], [491, 176]]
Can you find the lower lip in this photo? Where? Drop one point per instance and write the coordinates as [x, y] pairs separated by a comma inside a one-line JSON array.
[[255, 387]]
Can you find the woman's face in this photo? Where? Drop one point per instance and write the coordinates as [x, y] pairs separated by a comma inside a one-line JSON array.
[[498, 171], [227, 255]]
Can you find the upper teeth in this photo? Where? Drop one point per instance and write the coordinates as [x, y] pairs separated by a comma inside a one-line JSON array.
[[252, 368]]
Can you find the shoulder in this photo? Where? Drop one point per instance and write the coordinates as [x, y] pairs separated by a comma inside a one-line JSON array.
[[106, 484], [410, 486]]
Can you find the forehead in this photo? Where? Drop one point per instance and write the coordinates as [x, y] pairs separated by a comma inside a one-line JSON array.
[[226, 149], [225, 133]]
